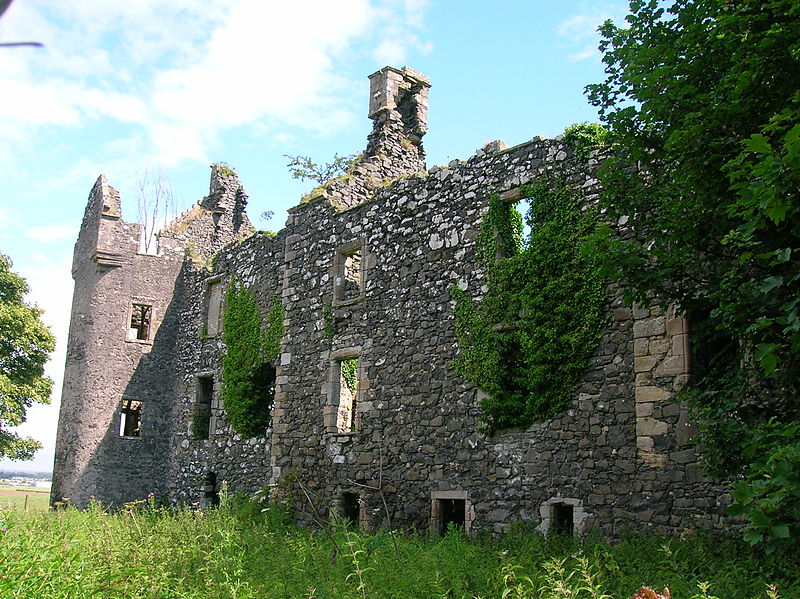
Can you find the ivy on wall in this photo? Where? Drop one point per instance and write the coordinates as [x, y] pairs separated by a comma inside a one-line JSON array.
[[349, 368], [527, 342], [248, 376]]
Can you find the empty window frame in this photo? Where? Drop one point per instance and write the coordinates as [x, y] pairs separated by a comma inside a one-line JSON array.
[[349, 277], [204, 396], [346, 395], [562, 516], [141, 322], [213, 307], [210, 496], [130, 418], [450, 510]]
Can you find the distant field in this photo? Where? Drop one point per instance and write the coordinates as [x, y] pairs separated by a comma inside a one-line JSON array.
[[14, 497]]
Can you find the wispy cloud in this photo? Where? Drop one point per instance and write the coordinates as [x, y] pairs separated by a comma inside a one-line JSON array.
[[52, 233], [179, 74], [580, 30]]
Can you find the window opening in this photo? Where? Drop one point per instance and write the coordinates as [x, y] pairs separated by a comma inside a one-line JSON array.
[[523, 206], [264, 377], [349, 275], [452, 512], [141, 315], [563, 519], [130, 418], [214, 308], [350, 508], [201, 428], [210, 494], [348, 395]]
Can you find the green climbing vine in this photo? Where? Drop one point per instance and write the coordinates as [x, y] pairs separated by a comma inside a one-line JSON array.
[[527, 342], [328, 324], [349, 369], [248, 376]]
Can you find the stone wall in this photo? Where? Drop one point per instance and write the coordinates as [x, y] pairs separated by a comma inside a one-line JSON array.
[[106, 363], [363, 268]]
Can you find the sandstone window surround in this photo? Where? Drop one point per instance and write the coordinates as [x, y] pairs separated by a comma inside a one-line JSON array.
[[212, 307], [130, 418], [346, 383], [451, 508], [140, 321], [349, 273]]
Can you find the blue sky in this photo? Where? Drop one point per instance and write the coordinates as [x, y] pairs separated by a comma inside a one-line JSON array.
[[124, 88]]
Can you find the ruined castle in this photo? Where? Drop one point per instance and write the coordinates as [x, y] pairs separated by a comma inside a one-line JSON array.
[[362, 269]]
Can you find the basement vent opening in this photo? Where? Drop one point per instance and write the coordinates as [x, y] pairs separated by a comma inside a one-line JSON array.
[[452, 514], [563, 520], [351, 510]]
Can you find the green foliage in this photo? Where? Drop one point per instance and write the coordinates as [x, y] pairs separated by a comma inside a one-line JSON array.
[[583, 138], [246, 550], [25, 346], [703, 95], [349, 368], [327, 322], [248, 377], [225, 169], [768, 495], [528, 341], [302, 167]]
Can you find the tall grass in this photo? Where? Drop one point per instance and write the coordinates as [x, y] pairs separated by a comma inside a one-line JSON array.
[[240, 552]]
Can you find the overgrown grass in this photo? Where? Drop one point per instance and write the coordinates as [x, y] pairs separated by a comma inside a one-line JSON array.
[[243, 553]]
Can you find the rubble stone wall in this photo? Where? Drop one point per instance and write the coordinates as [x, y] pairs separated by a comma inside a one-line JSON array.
[[363, 269]]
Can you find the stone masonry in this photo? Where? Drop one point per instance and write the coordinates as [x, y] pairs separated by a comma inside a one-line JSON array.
[[363, 269]]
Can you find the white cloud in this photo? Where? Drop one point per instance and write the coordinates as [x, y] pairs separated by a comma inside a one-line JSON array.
[[183, 72], [402, 18], [53, 233], [580, 30], [51, 290]]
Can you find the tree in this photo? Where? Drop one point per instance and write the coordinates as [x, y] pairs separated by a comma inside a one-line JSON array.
[[25, 345], [702, 97], [302, 167], [156, 205]]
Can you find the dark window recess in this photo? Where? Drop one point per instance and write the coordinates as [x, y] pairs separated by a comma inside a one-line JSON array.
[[453, 512], [264, 377], [130, 418], [202, 413], [140, 321], [563, 520], [350, 508], [210, 494]]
